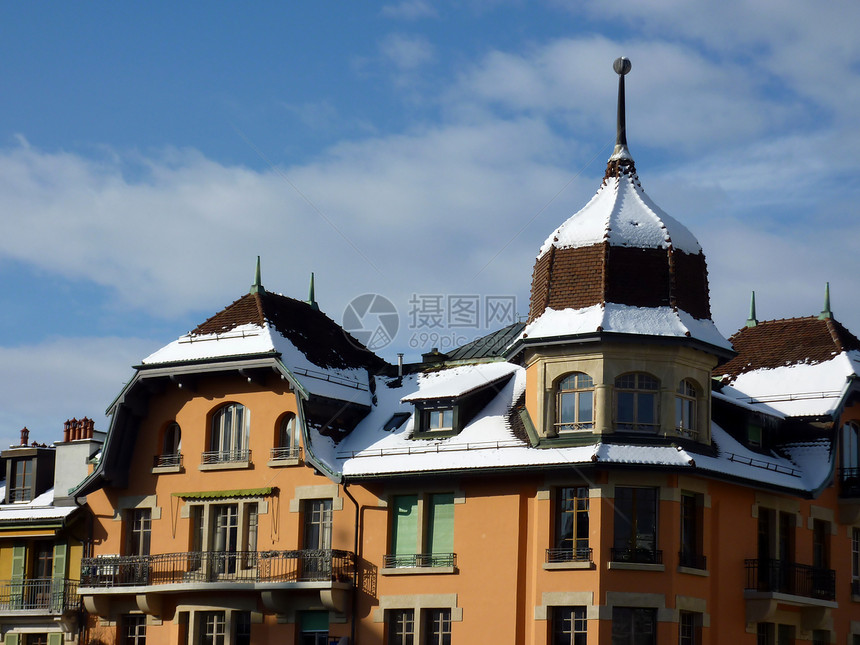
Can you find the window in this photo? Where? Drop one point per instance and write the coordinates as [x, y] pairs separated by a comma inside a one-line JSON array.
[[316, 558], [242, 621], [636, 526], [575, 403], [568, 626], [689, 628], [401, 627], [776, 551], [228, 441], [171, 442], [438, 626], [22, 480], [820, 544], [314, 628], [685, 408], [820, 637], [138, 531], [133, 630], [422, 531], [571, 530], [226, 537], [634, 626], [636, 402], [440, 420], [288, 445], [691, 531], [855, 561], [43, 560], [772, 634], [754, 434], [850, 460], [213, 628]]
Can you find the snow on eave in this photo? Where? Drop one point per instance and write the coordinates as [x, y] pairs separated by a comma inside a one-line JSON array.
[[612, 318], [459, 381]]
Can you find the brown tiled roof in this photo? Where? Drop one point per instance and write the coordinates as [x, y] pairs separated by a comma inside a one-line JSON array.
[[776, 343], [317, 336], [584, 276]]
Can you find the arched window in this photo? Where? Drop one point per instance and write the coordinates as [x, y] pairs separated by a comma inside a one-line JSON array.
[[636, 397], [171, 444], [685, 408], [287, 442], [229, 437], [575, 403]]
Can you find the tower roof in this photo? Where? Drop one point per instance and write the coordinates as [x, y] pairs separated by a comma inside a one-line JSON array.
[[621, 248]]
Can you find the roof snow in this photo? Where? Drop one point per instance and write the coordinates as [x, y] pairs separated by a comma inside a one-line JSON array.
[[40, 508], [622, 215], [458, 381], [624, 319]]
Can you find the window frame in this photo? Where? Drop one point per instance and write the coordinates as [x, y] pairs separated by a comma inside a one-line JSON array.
[[400, 625], [628, 617], [571, 510], [691, 551], [138, 538], [437, 626], [687, 408], [628, 542], [228, 442], [568, 625], [22, 479], [574, 386], [645, 386], [133, 629], [287, 445], [430, 526]]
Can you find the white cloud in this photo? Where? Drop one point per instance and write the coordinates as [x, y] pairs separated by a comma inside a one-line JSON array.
[[409, 10], [47, 383], [407, 53]]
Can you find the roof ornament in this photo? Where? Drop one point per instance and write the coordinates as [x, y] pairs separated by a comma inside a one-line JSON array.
[[752, 321], [826, 313], [257, 287], [622, 67], [311, 299]]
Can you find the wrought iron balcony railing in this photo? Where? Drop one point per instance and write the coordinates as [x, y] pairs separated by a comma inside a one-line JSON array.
[[580, 554], [39, 595], [768, 574], [167, 461], [218, 567], [225, 456], [288, 452], [637, 555], [692, 560], [394, 561]]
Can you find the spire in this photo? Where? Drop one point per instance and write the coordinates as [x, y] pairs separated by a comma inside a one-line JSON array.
[[311, 299], [751, 321], [257, 287], [826, 313], [622, 67]]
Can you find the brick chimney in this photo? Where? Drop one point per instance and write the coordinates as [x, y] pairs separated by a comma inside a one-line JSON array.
[[80, 442], [25, 436]]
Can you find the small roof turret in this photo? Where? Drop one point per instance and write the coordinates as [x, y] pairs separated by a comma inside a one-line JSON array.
[[623, 250]]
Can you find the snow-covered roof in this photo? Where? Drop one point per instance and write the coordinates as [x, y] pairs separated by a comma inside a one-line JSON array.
[[622, 215], [40, 508], [457, 381], [490, 442], [624, 319]]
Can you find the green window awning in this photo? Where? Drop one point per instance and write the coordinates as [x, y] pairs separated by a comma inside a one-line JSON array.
[[221, 494]]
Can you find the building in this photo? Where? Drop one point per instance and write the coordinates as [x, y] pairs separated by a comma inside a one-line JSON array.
[[42, 535], [613, 470]]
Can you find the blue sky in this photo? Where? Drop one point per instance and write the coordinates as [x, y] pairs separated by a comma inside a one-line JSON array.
[[150, 151]]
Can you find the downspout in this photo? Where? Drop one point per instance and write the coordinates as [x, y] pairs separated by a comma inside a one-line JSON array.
[[354, 600]]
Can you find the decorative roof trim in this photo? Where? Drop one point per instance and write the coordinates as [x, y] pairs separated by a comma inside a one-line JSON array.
[[221, 494]]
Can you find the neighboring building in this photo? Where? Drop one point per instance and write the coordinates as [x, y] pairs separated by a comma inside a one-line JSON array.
[[42, 537], [611, 471]]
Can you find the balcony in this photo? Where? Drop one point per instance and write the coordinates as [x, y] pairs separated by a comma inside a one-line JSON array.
[[401, 563], [691, 560], [777, 576], [39, 596], [285, 456], [167, 463], [221, 459], [637, 555], [567, 558]]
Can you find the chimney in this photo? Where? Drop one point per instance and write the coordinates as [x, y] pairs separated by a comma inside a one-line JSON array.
[[400, 365], [80, 442], [25, 436]]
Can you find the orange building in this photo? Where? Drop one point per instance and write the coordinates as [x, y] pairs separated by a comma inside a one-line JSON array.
[[611, 471]]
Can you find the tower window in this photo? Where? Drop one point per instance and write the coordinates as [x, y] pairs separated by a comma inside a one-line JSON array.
[[636, 407], [575, 403], [685, 408]]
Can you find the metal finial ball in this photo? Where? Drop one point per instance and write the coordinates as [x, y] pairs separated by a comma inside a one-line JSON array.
[[622, 66]]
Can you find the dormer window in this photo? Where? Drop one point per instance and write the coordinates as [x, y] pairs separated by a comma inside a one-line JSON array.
[[685, 408], [636, 397], [575, 403], [440, 420], [22, 480]]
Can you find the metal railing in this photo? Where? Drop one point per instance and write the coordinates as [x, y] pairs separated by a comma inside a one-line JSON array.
[[692, 560], [580, 554], [405, 560], [167, 461], [225, 456], [288, 452], [218, 566], [637, 555], [39, 595], [768, 574]]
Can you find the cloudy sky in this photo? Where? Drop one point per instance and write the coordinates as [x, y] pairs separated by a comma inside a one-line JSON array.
[[149, 152]]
